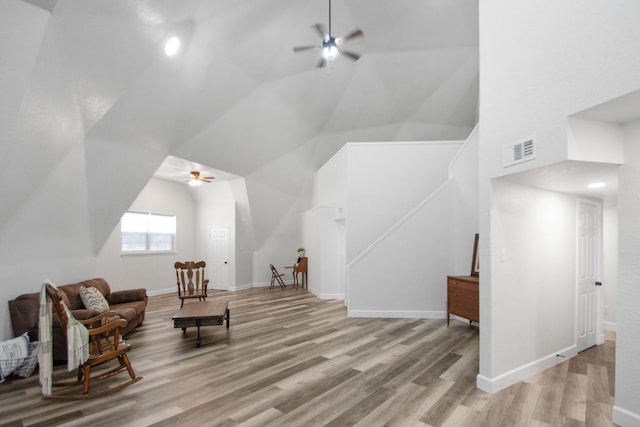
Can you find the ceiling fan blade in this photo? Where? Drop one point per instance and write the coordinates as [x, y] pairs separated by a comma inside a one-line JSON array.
[[321, 63], [208, 177], [351, 55], [302, 48], [321, 30], [352, 35]]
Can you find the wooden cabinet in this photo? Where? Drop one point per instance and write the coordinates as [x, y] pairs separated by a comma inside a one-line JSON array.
[[463, 297]]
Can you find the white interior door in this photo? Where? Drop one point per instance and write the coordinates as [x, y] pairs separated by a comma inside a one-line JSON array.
[[219, 256], [589, 255]]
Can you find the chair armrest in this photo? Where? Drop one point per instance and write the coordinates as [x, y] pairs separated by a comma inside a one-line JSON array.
[[103, 329], [127, 295], [108, 327]]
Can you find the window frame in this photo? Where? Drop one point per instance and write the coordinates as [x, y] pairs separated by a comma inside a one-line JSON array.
[[148, 235]]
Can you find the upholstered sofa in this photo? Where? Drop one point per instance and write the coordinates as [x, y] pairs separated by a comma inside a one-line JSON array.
[[128, 304]]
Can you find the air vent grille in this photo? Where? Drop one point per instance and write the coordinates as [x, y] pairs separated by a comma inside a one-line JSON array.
[[518, 152]]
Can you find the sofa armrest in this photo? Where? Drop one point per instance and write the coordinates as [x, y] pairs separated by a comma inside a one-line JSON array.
[[128, 295], [24, 312]]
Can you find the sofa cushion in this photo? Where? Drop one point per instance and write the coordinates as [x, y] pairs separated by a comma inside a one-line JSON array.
[[93, 299], [130, 310]]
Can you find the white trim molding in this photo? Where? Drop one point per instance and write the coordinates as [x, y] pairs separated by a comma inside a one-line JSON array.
[[389, 314], [625, 418], [492, 385]]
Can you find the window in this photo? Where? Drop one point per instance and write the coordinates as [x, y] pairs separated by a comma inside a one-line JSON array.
[[148, 233]]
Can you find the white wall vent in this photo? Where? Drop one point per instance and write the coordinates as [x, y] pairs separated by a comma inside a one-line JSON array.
[[518, 152]]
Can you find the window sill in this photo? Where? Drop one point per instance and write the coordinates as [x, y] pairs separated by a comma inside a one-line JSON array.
[[144, 253]]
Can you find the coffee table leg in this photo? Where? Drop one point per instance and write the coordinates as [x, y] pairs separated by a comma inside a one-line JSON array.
[[198, 340], [226, 313]]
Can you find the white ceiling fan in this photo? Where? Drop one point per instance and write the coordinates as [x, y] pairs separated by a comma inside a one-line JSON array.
[[331, 46]]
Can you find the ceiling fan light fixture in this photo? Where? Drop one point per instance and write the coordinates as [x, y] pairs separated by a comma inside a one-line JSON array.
[[172, 46], [329, 50], [194, 182]]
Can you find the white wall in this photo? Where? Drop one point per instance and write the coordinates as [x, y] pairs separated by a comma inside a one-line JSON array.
[[153, 272], [323, 239], [243, 254], [464, 172], [534, 289], [402, 192], [539, 66], [330, 182], [43, 233], [610, 265], [626, 410], [404, 273], [594, 141], [387, 180]]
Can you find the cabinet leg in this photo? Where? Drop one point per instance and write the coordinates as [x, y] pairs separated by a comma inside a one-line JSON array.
[[448, 318]]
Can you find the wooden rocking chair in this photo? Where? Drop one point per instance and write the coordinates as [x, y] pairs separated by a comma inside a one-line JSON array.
[[188, 285], [104, 346]]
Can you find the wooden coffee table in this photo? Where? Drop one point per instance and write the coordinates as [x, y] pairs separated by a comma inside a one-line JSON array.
[[201, 313]]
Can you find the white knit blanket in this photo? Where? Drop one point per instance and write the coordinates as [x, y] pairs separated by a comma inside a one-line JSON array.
[[77, 341]]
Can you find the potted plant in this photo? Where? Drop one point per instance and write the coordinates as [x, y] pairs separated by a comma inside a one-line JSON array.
[[300, 252]]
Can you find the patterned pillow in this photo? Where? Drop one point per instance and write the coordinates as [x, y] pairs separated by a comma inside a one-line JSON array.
[[93, 299], [30, 362], [12, 354]]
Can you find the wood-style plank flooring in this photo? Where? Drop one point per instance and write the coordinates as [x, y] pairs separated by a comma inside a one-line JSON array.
[[290, 359]]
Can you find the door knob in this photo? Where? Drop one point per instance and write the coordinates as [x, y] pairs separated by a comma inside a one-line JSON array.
[[598, 283]]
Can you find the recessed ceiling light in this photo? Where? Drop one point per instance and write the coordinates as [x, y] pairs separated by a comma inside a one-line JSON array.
[[597, 185], [172, 46]]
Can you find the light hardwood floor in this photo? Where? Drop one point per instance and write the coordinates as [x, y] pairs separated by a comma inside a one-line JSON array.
[[290, 359]]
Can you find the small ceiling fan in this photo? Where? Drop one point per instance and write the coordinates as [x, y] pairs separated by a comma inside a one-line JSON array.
[[330, 47], [196, 179]]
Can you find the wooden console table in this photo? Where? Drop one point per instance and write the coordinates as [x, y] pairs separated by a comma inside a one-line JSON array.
[[201, 313], [300, 267], [463, 297]]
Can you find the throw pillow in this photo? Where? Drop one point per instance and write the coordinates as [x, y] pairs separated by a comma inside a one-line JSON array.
[[30, 362], [93, 299], [12, 354]]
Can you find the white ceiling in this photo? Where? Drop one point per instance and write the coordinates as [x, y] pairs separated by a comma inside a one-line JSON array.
[[175, 169], [92, 95], [572, 177]]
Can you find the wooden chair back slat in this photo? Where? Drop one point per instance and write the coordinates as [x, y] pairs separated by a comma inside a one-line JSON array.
[[187, 287]]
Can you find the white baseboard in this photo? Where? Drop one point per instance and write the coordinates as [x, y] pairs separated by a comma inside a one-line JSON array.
[[389, 314], [242, 287], [326, 296], [609, 326], [625, 418], [165, 291], [492, 385]]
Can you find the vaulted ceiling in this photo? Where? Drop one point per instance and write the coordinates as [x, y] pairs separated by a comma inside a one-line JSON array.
[[91, 106]]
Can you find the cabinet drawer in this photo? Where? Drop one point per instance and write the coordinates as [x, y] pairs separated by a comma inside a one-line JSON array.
[[463, 297], [465, 308], [460, 284]]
